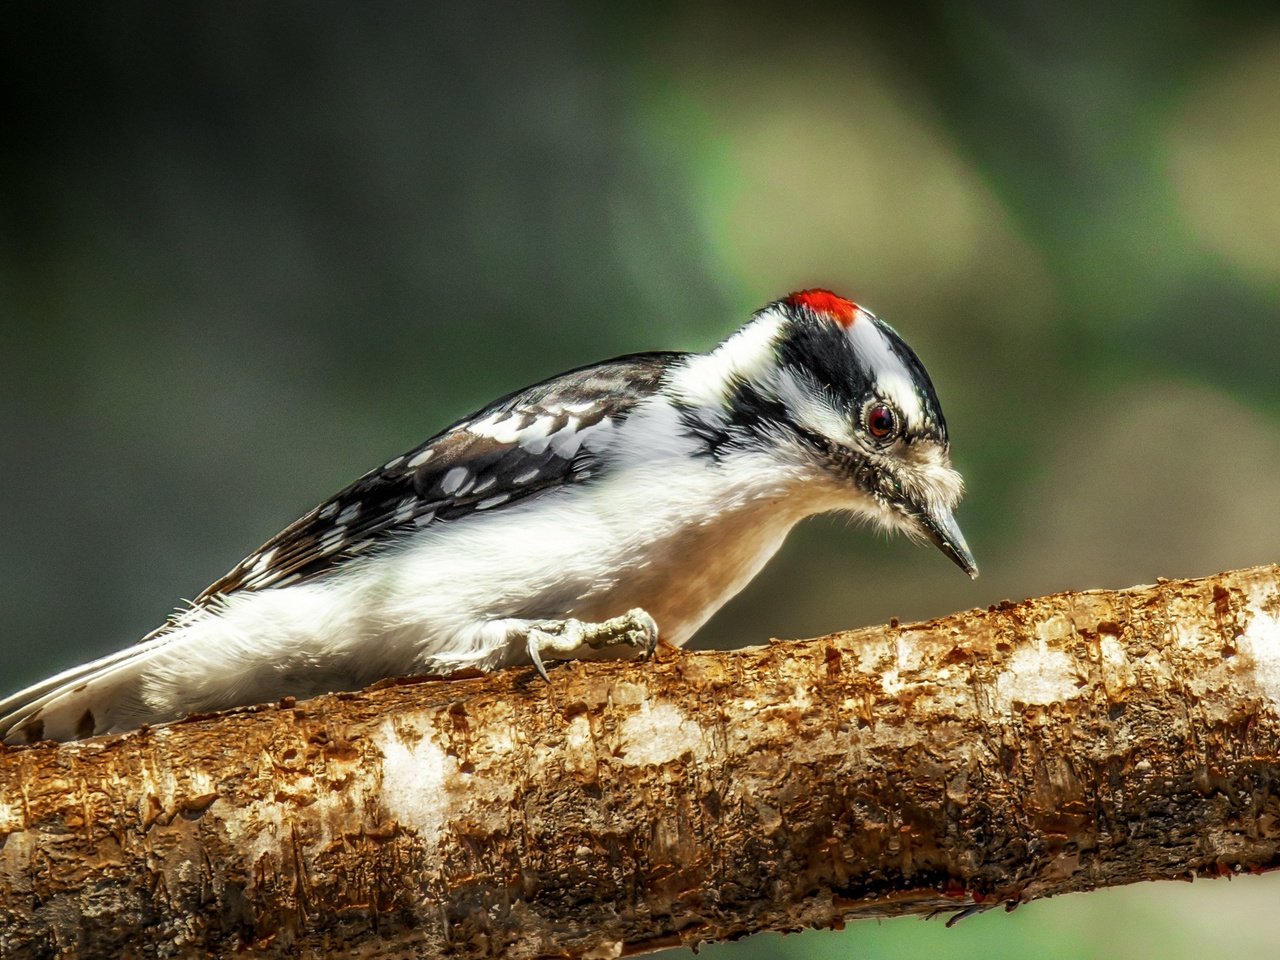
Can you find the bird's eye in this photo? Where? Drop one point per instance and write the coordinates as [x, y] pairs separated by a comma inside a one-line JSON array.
[[882, 422]]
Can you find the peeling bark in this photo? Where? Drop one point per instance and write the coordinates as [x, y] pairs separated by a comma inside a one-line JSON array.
[[1060, 744]]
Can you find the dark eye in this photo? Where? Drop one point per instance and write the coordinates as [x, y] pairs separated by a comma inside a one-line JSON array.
[[882, 422]]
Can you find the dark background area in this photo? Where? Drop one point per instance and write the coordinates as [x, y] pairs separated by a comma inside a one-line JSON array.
[[248, 252]]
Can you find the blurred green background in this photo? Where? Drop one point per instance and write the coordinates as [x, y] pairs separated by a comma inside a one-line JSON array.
[[250, 251]]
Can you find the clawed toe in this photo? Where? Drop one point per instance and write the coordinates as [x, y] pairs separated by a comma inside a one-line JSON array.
[[535, 655], [647, 627], [635, 628]]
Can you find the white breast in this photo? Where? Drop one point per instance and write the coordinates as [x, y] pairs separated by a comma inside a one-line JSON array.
[[662, 529], [676, 535], [671, 541]]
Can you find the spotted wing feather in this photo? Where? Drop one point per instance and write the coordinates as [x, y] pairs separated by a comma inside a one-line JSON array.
[[522, 445]]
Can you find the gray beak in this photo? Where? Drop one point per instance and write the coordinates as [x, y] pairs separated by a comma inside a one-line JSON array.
[[940, 526]]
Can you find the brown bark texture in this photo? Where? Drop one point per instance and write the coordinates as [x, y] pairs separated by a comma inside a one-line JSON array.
[[990, 757]]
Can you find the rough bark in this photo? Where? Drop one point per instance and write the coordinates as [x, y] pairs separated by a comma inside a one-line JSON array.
[[1059, 744]]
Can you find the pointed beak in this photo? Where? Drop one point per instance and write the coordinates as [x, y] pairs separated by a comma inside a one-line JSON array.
[[940, 526]]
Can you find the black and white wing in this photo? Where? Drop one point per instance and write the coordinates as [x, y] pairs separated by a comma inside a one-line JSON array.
[[529, 442]]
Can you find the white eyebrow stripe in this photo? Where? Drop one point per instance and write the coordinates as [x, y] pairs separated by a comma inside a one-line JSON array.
[[892, 378]]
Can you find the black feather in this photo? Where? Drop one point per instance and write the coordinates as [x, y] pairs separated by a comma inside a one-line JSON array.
[[423, 487]]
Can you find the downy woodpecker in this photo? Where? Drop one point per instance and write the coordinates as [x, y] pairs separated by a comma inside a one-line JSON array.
[[581, 517]]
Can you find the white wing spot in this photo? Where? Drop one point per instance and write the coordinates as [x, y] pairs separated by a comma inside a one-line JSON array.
[[424, 519], [504, 428], [349, 514], [484, 484], [527, 476], [404, 511], [422, 458], [535, 445], [493, 501], [264, 561], [539, 428], [565, 442], [392, 464], [328, 510], [455, 480]]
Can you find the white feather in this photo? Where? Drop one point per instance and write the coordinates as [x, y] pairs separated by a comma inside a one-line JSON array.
[[893, 379], [589, 551], [661, 526], [707, 379]]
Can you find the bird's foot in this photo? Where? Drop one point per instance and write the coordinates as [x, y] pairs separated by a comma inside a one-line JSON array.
[[562, 638]]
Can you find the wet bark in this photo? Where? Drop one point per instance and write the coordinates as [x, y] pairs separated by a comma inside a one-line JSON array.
[[990, 757]]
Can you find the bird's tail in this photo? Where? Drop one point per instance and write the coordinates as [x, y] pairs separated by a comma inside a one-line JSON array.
[[101, 696]]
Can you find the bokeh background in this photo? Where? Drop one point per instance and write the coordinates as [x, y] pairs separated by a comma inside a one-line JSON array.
[[249, 251]]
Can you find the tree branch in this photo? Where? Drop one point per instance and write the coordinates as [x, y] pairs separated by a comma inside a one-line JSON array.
[[1064, 743]]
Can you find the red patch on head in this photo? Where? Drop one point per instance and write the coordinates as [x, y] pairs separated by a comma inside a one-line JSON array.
[[826, 303]]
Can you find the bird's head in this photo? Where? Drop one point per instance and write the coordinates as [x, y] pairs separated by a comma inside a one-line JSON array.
[[826, 384]]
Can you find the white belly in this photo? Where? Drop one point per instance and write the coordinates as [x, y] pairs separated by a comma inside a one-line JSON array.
[[677, 545], [675, 541]]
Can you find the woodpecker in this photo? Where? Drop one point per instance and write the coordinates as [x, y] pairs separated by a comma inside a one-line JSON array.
[[581, 517]]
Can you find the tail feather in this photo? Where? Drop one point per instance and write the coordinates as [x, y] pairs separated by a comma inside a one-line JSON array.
[[101, 696]]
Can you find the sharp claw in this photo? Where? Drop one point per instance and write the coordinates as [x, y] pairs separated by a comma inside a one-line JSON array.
[[537, 660], [651, 631]]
